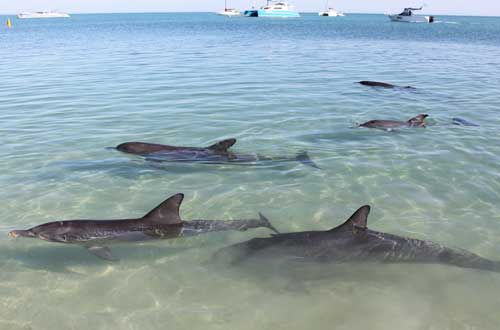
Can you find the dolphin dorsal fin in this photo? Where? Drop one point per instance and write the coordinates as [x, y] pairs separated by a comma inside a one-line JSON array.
[[223, 145], [357, 220], [167, 212]]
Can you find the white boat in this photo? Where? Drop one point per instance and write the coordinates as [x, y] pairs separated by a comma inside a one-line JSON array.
[[42, 14], [329, 11], [229, 11], [408, 17], [279, 9]]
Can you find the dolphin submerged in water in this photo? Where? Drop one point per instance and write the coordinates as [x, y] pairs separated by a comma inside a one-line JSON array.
[[217, 153], [417, 121], [352, 242], [163, 222]]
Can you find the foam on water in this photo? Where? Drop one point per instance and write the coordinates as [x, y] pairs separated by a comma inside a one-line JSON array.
[[71, 88]]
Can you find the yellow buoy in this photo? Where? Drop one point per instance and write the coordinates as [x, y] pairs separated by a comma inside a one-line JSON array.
[[9, 25]]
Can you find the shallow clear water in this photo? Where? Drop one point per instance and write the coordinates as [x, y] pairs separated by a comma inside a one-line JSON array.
[[71, 88]]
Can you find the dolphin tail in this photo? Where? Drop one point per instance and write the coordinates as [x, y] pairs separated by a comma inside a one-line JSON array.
[[266, 223], [303, 157]]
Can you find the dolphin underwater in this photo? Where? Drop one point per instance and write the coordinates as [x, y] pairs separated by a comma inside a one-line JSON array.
[[352, 242], [163, 222], [215, 154], [462, 122], [382, 84], [417, 121]]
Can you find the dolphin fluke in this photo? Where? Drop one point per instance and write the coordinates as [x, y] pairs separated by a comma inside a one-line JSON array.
[[303, 157], [223, 145], [167, 212], [266, 223]]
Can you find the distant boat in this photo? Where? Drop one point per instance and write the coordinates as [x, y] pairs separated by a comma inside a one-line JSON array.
[[229, 11], [42, 14], [279, 9], [330, 11], [408, 17]]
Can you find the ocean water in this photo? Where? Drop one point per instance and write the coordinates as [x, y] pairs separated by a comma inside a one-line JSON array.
[[71, 88]]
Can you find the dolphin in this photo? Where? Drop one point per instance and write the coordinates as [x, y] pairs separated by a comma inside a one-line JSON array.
[[352, 242], [417, 121], [463, 122], [163, 222], [214, 154], [382, 84]]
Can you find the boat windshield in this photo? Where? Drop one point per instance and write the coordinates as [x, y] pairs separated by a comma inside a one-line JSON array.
[[408, 11]]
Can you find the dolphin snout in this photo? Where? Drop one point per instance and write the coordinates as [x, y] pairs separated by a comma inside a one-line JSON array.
[[18, 233]]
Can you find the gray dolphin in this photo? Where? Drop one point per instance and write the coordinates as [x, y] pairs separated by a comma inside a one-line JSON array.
[[382, 84], [163, 222], [463, 122], [417, 121], [353, 242], [215, 154]]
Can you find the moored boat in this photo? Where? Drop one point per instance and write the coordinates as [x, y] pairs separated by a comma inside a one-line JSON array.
[[228, 11], [278, 9], [330, 12]]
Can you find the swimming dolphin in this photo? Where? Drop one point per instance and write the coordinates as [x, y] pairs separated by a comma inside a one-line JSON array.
[[462, 122], [163, 222], [353, 242], [417, 121], [382, 84], [214, 154]]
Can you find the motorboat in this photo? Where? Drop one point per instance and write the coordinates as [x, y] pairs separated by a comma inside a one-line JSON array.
[[331, 12], [407, 16], [278, 9], [229, 11], [43, 14]]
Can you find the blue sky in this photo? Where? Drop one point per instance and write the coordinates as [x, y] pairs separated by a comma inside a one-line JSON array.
[[452, 7]]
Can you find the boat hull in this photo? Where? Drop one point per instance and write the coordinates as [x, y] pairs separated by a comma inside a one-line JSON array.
[[330, 14], [270, 13], [277, 13], [251, 13], [411, 19], [228, 14]]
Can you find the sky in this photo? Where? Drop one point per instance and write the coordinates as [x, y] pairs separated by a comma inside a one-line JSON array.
[[442, 7]]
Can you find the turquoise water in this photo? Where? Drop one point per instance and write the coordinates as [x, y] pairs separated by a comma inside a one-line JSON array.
[[71, 88]]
